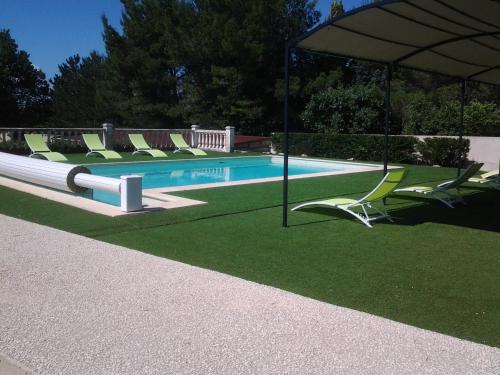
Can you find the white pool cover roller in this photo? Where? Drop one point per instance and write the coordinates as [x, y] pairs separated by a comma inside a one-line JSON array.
[[74, 178], [86, 180], [58, 176]]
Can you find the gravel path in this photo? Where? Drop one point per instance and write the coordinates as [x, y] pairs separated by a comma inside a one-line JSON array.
[[73, 305]]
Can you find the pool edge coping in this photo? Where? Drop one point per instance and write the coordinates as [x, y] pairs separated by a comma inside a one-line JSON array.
[[158, 199], [368, 167], [152, 202]]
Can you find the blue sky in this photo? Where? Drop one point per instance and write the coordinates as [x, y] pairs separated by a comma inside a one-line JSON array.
[[52, 30]]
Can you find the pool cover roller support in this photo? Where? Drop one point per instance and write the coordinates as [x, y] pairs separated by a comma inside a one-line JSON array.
[[71, 178], [131, 193], [129, 187]]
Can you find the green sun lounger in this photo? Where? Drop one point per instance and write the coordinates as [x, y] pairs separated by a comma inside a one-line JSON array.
[[39, 148], [96, 147], [442, 191], [491, 178], [142, 147], [390, 181], [181, 145]]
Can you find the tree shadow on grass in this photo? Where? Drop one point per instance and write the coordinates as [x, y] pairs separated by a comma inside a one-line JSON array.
[[482, 211]]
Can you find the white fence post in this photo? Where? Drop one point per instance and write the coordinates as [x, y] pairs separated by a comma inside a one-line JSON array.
[[229, 141], [107, 131], [194, 135], [131, 193]]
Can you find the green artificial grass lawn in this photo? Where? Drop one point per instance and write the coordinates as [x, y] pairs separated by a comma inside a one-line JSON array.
[[434, 268]]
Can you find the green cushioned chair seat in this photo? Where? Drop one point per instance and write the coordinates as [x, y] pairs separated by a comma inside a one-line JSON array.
[[181, 145], [338, 201], [441, 192], [416, 189], [95, 146], [390, 181], [491, 178], [39, 148], [141, 146], [52, 156]]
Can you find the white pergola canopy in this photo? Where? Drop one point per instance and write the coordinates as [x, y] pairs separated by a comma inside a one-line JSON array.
[[459, 38]]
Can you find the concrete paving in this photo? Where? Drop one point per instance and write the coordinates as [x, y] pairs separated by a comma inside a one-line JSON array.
[[73, 305]]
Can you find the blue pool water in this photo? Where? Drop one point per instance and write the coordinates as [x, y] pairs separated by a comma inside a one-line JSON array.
[[206, 171]]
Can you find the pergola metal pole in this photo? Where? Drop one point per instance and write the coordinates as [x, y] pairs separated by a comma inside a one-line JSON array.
[[461, 124], [388, 78], [285, 138]]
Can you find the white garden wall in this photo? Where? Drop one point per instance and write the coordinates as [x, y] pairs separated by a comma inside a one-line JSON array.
[[482, 149]]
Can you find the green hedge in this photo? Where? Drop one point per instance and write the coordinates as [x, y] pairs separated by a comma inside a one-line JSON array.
[[346, 146], [402, 149], [443, 151], [19, 148]]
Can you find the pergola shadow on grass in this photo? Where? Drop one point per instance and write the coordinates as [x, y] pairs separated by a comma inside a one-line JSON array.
[[478, 214], [434, 268], [459, 39], [424, 210]]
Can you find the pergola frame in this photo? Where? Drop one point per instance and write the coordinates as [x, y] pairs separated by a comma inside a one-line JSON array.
[[390, 65]]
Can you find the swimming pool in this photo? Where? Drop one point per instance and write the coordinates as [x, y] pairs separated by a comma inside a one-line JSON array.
[[167, 176]]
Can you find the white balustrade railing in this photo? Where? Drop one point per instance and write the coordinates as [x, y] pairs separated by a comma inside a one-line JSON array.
[[211, 139], [73, 135], [156, 138], [216, 140]]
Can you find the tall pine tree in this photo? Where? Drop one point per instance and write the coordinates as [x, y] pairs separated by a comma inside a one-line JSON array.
[[24, 92], [145, 64], [75, 100], [240, 60], [210, 62]]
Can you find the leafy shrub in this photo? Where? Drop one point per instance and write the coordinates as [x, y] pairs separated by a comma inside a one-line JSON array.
[[482, 119], [421, 114], [123, 147], [67, 147], [19, 148], [430, 114], [349, 110], [346, 146], [446, 152]]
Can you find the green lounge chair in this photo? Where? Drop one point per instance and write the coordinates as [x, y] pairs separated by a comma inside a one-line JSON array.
[[490, 178], [390, 181], [39, 148], [141, 146], [96, 147], [181, 145], [443, 189]]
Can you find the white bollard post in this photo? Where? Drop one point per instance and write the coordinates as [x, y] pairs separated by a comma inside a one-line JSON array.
[[194, 135], [229, 141], [131, 193]]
